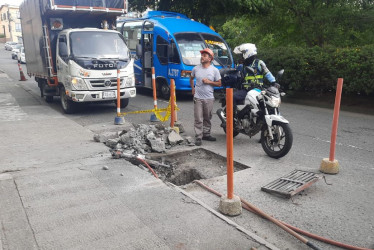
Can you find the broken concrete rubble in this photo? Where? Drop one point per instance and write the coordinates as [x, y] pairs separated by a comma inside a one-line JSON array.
[[142, 139], [174, 138], [103, 137], [157, 145]]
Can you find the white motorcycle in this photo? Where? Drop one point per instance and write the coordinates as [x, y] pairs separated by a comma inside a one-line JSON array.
[[259, 112]]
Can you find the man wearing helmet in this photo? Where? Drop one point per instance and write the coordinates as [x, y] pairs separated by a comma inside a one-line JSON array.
[[207, 77], [249, 52]]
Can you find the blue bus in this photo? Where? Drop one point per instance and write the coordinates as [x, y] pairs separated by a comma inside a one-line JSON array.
[[170, 42]]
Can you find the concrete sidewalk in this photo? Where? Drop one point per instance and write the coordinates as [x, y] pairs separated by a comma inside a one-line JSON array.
[[55, 193]]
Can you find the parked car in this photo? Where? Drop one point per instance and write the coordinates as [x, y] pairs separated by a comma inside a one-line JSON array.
[[21, 55], [6, 45], [10, 45], [16, 50]]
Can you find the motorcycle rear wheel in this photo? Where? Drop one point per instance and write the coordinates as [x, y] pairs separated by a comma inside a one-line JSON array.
[[282, 142]]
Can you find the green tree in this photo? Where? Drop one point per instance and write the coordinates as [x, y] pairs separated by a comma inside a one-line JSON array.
[[209, 12], [306, 23]]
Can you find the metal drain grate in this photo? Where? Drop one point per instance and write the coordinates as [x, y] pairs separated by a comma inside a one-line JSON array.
[[291, 184]]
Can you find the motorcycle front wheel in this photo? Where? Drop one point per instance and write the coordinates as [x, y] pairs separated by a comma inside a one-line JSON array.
[[282, 140]]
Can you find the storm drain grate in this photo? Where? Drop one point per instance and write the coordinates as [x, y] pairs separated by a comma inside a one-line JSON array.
[[291, 184]]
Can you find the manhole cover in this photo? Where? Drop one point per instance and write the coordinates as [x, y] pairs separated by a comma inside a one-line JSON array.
[[189, 165], [291, 184]]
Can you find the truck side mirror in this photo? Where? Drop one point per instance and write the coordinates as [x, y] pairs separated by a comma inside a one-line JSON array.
[[139, 50]]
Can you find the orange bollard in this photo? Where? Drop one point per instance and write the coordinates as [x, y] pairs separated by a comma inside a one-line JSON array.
[[118, 120], [335, 118], [22, 76], [230, 204], [331, 165], [118, 93], [153, 116], [230, 143], [175, 103], [172, 102], [154, 88]]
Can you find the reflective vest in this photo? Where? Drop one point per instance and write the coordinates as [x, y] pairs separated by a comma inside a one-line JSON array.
[[256, 78]]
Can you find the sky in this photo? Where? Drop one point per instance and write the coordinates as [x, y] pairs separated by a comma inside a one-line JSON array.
[[11, 2]]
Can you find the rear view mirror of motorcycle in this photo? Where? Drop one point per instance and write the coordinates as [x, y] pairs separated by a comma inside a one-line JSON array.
[[280, 73]]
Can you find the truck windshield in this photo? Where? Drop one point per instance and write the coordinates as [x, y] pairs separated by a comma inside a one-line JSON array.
[[190, 45], [98, 45]]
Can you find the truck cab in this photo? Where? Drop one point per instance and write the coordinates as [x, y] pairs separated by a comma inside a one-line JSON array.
[[171, 43], [74, 51], [87, 61]]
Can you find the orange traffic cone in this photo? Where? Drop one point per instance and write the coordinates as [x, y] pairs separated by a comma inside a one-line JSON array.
[[22, 76]]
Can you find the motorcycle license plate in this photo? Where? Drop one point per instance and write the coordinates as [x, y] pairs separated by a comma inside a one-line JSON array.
[[109, 94]]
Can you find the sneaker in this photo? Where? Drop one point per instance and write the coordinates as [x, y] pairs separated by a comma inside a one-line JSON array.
[[209, 138], [198, 142]]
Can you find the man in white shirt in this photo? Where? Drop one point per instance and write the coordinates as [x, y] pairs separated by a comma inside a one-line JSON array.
[[207, 77]]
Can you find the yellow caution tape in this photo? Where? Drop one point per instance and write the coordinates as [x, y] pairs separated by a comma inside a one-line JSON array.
[[156, 111]]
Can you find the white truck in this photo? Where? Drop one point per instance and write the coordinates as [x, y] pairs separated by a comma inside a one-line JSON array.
[[73, 51]]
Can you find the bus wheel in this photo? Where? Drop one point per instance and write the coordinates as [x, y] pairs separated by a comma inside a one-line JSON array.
[[165, 90]]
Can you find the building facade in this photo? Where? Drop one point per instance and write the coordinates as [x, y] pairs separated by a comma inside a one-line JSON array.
[[10, 23]]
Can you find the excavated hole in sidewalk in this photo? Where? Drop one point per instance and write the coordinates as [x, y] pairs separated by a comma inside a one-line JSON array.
[[189, 165]]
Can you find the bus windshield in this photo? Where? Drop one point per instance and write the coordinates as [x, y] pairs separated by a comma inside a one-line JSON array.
[[190, 45], [99, 45]]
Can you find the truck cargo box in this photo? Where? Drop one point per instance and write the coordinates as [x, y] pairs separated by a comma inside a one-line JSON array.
[[42, 20]]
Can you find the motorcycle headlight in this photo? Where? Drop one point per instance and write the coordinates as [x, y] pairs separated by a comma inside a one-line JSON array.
[[129, 81], [274, 101], [78, 83]]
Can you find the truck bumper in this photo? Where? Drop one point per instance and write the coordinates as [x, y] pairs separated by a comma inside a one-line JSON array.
[[101, 96]]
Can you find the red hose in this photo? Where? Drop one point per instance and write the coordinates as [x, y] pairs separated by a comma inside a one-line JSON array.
[[314, 236], [149, 167]]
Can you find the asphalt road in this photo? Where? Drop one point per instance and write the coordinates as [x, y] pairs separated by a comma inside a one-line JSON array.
[[342, 211]]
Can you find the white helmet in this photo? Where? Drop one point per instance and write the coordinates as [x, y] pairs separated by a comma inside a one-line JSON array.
[[247, 49]]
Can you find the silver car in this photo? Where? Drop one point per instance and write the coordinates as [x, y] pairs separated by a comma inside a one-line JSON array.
[[10, 45], [16, 50]]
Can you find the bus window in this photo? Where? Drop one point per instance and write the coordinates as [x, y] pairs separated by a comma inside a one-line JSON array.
[[132, 34], [162, 50], [190, 45], [219, 48], [175, 59]]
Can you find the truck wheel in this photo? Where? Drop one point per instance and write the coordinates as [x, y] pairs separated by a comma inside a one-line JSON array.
[[41, 86], [124, 103], [49, 98], [67, 105]]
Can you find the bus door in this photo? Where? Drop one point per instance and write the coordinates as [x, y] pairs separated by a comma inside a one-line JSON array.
[[174, 66], [147, 52]]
